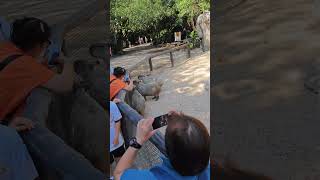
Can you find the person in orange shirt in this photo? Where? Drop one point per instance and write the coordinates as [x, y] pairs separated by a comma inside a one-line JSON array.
[[22, 69], [117, 82], [23, 73]]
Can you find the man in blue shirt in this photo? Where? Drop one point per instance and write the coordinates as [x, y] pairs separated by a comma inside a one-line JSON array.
[[187, 143]]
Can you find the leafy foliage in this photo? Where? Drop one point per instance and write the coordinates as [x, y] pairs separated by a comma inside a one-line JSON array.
[[191, 9], [156, 19], [194, 40]]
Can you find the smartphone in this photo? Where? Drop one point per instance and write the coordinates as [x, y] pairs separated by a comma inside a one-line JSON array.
[[160, 121], [127, 77], [56, 45]]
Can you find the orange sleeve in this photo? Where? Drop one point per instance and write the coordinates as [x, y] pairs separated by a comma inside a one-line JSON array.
[[115, 87], [122, 85], [39, 72]]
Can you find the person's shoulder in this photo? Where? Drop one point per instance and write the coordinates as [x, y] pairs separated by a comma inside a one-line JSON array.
[[29, 62], [31, 66], [7, 44], [137, 174], [112, 77], [7, 48]]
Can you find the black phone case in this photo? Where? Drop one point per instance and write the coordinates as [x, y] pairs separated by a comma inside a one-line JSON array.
[[160, 121]]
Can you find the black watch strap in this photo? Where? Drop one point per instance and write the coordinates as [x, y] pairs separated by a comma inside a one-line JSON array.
[[133, 143]]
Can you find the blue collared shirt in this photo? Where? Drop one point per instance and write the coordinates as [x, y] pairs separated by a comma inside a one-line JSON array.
[[162, 171]]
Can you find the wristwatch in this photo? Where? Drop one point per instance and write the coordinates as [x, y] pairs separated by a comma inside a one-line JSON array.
[[133, 143]]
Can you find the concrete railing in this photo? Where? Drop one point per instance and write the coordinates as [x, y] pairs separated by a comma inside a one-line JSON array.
[[52, 155]]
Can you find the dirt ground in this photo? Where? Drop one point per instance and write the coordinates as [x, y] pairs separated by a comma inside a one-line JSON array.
[[264, 118], [186, 88]]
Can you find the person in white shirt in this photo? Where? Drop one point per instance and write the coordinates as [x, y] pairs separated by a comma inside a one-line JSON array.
[[117, 148]]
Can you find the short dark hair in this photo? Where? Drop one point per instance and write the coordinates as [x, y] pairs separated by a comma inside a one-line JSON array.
[[187, 144], [28, 32], [119, 71]]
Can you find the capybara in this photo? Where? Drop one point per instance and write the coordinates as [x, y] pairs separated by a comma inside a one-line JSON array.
[[151, 89], [136, 101], [146, 79]]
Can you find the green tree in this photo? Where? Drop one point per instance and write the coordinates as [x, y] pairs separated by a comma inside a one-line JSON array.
[[157, 19], [131, 17], [191, 9]]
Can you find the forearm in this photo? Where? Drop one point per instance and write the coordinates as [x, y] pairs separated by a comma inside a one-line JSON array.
[[144, 132], [118, 128], [129, 87], [125, 162], [63, 82], [68, 74], [133, 116]]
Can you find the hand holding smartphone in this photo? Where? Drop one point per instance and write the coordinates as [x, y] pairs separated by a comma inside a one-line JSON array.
[[160, 121]]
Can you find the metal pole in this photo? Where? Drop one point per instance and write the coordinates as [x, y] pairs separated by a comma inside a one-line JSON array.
[[150, 64], [171, 59]]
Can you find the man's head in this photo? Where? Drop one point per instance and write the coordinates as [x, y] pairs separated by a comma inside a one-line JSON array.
[[187, 144], [31, 35], [119, 72]]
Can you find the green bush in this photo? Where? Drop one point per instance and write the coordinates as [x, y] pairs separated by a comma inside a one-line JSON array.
[[164, 36], [194, 40]]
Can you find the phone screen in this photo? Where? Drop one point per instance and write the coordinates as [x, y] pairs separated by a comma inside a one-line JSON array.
[[127, 77], [56, 39], [160, 121]]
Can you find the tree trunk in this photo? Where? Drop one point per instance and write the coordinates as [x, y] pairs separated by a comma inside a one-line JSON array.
[[119, 43], [193, 24]]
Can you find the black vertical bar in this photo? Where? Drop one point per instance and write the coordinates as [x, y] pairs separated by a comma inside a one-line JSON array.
[[171, 59], [150, 64], [188, 52]]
